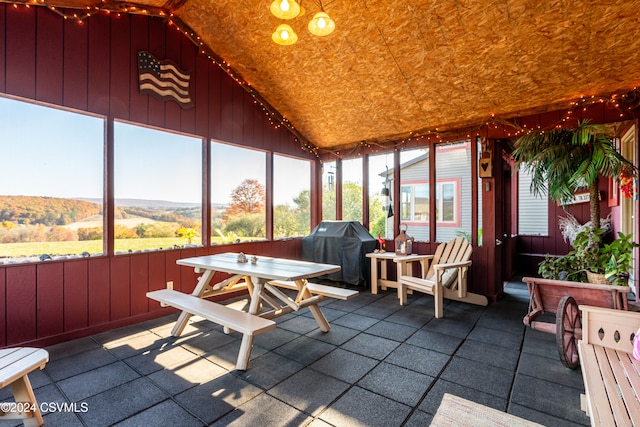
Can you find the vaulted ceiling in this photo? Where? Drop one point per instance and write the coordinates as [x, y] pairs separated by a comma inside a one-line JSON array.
[[395, 68]]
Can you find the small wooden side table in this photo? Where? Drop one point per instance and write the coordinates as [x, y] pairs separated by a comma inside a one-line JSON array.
[[379, 262]]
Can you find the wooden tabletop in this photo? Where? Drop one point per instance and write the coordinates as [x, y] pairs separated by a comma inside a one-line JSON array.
[[266, 267]]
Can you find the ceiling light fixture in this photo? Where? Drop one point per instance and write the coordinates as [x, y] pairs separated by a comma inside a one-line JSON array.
[[284, 35], [320, 25], [285, 9]]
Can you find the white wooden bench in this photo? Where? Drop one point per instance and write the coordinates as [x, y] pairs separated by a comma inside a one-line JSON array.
[[456, 411], [611, 375], [15, 365], [245, 323], [237, 320], [318, 289]]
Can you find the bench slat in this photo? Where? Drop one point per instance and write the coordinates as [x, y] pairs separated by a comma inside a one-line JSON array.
[[318, 289], [627, 396], [17, 362], [598, 402], [234, 319], [611, 385]]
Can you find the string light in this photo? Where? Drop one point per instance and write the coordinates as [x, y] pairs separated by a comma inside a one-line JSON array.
[[627, 103]]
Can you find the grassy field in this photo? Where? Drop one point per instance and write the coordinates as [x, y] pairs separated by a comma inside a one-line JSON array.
[[17, 250]]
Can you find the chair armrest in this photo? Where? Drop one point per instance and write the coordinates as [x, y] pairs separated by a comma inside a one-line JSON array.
[[447, 265], [404, 264], [412, 258]]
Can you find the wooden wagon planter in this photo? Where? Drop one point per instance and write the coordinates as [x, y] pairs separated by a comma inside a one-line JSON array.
[[562, 298]]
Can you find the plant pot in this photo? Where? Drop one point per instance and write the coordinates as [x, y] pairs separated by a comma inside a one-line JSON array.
[[597, 278]]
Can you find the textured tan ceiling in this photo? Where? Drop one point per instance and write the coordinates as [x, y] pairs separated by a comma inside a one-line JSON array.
[[393, 67]]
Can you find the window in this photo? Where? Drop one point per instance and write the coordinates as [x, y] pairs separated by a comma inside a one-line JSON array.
[[329, 191], [352, 190], [51, 182], [446, 202], [291, 197], [238, 193], [414, 202], [533, 211], [380, 194], [157, 189], [414, 192], [453, 190]]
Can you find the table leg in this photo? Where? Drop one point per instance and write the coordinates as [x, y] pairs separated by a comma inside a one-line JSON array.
[[244, 355], [374, 276], [184, 317], [323, 324], [383, 273]]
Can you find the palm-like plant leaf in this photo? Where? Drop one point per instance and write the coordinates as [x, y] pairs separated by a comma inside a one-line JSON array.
[[562, 161]]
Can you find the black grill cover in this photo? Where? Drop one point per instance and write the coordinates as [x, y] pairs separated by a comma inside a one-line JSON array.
[[342, 243]]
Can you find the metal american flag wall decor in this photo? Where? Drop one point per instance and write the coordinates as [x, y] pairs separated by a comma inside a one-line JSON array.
[[163, 80]]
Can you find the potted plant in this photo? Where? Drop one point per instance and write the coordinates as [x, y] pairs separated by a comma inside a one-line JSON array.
[[591, 260]]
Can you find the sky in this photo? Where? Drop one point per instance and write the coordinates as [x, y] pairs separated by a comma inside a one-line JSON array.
[[55, 153]]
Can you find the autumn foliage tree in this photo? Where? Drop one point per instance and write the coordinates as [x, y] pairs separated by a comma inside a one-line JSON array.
[[248, 197]]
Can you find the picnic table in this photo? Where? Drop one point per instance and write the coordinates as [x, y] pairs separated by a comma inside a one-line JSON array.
[[264, 278]]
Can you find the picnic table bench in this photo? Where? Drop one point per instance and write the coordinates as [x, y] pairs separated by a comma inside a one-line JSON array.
[[610, 373]]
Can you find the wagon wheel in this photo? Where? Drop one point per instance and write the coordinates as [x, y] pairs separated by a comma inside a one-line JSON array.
[[568, 331]]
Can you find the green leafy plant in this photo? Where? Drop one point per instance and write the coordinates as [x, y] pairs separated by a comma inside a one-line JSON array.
[[563, 160], [614, 260]]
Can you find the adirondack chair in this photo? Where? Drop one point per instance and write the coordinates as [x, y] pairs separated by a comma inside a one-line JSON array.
[[443, 275]]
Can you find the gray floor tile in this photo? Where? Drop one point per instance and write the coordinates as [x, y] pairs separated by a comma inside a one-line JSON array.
[[263, 410], [496, 337], [167, 413], [446, 344], [69, 348], [165, 357], [207, 341], [269, 369], [412, 315], [453, 325], [96, 381], [121, 402], [418, 359], [419, 419], [432, 401], [299, 324], [275, 338], [541, 417], [187, 375], [227, 355], [78, 363], [216, 398], [478, 376], [550, 370], [392, 331], [360, 407], [489, 354], [356, 321], [548, 397], [345, 365], [305, 350], [371, 346], [397, 383], [309, 391], [338, 335]]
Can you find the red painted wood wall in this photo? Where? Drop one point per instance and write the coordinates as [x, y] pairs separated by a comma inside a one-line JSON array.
[[93, 67]]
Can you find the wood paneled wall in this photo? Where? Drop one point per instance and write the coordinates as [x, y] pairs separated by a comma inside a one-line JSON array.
[[93, 67]]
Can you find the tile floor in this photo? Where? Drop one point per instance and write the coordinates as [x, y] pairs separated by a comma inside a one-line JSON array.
[[380, 365]]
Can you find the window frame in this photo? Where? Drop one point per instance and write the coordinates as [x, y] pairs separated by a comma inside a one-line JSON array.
[[439, 202]]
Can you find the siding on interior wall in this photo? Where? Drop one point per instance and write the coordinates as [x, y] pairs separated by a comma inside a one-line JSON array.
[[93, 67]]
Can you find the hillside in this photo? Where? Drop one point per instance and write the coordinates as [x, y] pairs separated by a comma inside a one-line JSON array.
[[45, 210], [52, 211]]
